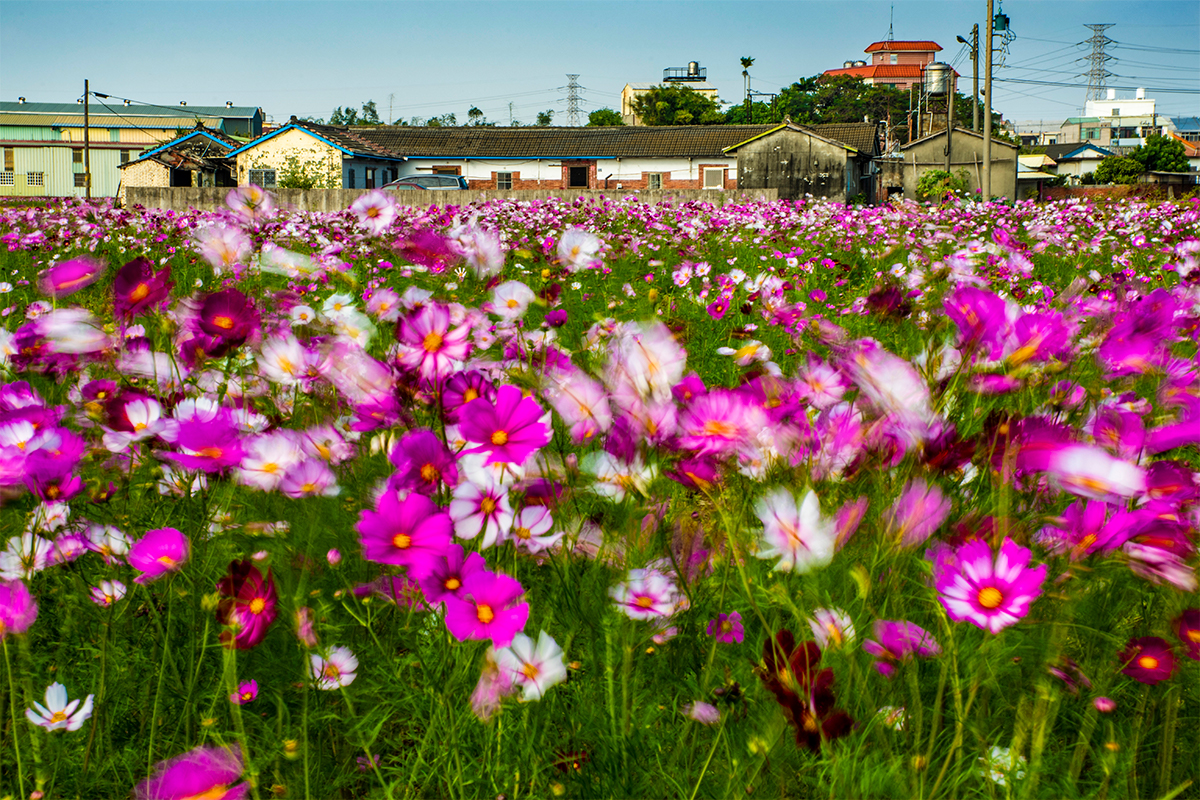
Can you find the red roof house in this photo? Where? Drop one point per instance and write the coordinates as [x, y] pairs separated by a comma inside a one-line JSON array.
[[898, 64]]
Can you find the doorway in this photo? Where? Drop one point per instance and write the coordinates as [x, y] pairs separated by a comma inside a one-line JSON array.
[[577, 178]]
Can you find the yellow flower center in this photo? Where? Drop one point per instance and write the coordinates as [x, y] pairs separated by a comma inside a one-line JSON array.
[[258, 605], [331, 672], [433, 342], [523, 533], [487, 505], [215, 793], [401, 541], [530, 671], [1193, 635], [990, 597], [469, 395], [166, 561], [58, 716], [223, 322], [139, 292], [644, 601], [716, 427], [429, 473], [485, 613], [1148, 662], [726, 626], [512, 303], [308, 488], [500, 438], [210, 452], [452, 583]]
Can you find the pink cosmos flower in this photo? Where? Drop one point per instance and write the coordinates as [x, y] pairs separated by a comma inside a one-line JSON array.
[[727, 628], [247, 605], [487, 609], [375, 210], [223, 247], [310, 478], [413, 532], [511, 299], [508, 430], [482, 249], [494, 683], [799, 535], [1089, 471], [1148, 660], [58, 714], [247, 692], [250, 202], [107, 593], [831, 627], [207, 442], [719, 423], [70, 276], [137, 288], [335, 669], [203, 772], [17, 608], [578, 249], [449, 571], [160, 551], [1187, 628], [533, 529], [645, 594], [918, 512], [534, 667], [899, 641], [428, 344], [704, 713], [989, 591], [583, 405], [423, 463]]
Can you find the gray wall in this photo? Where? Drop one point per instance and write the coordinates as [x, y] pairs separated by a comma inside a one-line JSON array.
[[796, 164], [968, 154], [181, 199]]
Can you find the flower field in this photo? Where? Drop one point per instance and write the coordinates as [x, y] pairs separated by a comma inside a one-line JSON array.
[[600, 499]]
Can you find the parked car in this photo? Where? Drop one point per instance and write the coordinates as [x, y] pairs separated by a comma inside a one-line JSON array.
[[432, 182]]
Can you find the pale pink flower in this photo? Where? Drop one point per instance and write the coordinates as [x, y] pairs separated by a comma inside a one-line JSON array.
[[534, 667], [799, 535]]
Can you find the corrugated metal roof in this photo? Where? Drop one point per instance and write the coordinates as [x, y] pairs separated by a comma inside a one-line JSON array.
[[859, 136], [697, 141], [236, 112], [919, 46], [345, 138], [102, 121]]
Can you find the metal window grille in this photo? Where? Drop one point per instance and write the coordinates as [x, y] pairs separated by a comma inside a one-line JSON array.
[[76, 156], [714, 179], [263, 177], [80, 180], [8, 178], [35, 179], [124, 156], [504, 180], [654, 180]]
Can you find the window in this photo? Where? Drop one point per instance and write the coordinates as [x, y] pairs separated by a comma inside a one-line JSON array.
[[714, 178], [447, 170], [8, 178], [370, 178], [654, 180], [114, 134], [1116, 112], [895, 58], [80, 180], [124, 156], [263, 177], [350, 178], [8, 159], [504, 180], [392, 174], [76, 156], [1091, 133], [35, 179]]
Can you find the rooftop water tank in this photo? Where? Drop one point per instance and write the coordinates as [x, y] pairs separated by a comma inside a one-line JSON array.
[[937, 78]]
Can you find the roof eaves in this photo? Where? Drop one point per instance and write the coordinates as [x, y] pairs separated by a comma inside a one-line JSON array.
[[778, 127]]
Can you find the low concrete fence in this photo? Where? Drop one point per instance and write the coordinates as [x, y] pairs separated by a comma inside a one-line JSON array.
[[323, 200]]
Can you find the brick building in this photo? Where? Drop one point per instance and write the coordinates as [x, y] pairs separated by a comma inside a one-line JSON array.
[[894, 63]]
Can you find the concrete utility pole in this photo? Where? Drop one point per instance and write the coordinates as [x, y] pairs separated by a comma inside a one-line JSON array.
[[950, 118], [986, 182], [974, 44], [87, 144]]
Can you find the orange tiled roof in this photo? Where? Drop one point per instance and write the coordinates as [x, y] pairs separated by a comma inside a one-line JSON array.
[[876, 47], [876, 71]]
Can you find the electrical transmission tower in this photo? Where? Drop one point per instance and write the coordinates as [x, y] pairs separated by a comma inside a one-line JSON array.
[[573, 88], [1097, 73]]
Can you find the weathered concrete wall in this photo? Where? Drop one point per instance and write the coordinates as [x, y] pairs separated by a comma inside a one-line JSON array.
[[795, 164], [143, 174], [323, 200], [323, 159], [929, 153]]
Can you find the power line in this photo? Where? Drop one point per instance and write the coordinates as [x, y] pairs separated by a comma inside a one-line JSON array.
[[1097, 73]]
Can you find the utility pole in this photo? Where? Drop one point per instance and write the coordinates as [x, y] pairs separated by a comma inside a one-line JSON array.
[[950, 116], [974, 45], [87, 144], [986, 182]]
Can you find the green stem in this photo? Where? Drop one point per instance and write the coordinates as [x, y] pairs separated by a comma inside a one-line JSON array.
[[162, 674], [1139, 718], [12, 706], [1166, 752], [712, 750]]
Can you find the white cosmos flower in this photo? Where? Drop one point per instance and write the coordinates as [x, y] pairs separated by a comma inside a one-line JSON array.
[[534, 667], [58, 714], [799, 536]]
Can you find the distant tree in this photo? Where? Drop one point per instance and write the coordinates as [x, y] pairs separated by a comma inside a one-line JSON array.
[[1119, 169], [1161, 154], [475, 116], [760, 114], [444, 121], [370, 116], [676, 105], [544, 117], [348, 116], [604, 117]]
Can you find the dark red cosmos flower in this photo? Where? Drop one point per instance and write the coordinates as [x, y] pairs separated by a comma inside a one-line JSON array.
[[805, 691], [247, 605], [228, 315], [1187, 627], [423, 464], [1147, 659], [137, 288]]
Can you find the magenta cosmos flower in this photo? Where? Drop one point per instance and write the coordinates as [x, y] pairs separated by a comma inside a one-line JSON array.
[[429, 346], [449, 571], [727, 628], [1148, 659], [70, 276], [204, 772], [17, 608], [991, 592], [228, 315], [1187, 627], [898, 642], [247, 605], [160, 551], [423, 463], [918, 512], [413, 533], [137, 288], [247, 692], [487, 608], [508, 430], [645, 594]]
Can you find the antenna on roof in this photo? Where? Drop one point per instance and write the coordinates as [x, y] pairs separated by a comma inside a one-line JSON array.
[[891, 19]]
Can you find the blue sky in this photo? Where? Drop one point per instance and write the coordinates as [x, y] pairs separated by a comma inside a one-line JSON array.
[[429, 58]]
